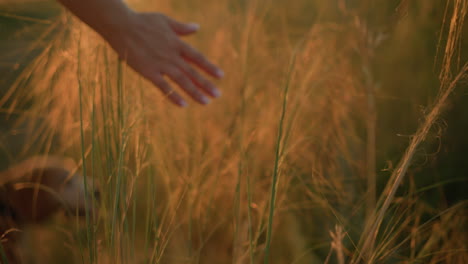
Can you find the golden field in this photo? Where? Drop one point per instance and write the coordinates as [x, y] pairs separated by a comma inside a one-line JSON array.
[[338, 138]]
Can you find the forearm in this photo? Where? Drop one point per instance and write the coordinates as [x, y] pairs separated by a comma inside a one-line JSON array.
[[101, 15]]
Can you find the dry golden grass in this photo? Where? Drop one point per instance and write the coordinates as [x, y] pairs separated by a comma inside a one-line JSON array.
[[195, 185]]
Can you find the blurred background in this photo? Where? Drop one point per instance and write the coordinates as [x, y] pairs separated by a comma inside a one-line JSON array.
[[320, 102]]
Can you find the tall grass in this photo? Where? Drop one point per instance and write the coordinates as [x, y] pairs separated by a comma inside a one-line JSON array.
[[285, 167]]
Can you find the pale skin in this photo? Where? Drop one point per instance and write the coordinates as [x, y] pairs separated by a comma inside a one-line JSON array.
[[150, 43]]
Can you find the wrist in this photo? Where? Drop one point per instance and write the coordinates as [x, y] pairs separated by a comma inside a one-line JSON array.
[[112, 20], [106, 17]]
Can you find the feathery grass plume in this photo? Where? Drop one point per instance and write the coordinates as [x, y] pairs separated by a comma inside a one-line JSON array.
[[196, 185], [447, 86]]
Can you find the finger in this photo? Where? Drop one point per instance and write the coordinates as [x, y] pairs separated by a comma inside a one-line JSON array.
[[198, 79], [141, 66], [166, 88], [183, 28], [198, 59], [186, 84]]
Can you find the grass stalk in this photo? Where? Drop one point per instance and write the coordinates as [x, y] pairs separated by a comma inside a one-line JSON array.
[[83, 150], [121, 145], [399, 173], [371, 145], [447, 86], [249, 219], [274, 183]]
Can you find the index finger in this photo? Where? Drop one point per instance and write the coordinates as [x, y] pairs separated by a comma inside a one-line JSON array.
[[194, 56]]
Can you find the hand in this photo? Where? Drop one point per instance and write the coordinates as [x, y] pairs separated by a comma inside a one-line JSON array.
[[150, 44]]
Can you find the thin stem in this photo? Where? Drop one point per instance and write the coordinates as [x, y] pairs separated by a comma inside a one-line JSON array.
[[277, 161]]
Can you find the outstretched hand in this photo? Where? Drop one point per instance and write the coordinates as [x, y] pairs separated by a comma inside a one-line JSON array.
[[150, 43]]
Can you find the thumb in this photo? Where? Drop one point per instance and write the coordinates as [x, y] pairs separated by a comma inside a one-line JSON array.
[[183, 28]]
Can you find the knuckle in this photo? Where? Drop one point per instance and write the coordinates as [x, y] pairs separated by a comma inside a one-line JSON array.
[[160, 83], [168, 92], [180, 44], [178, 76], [175, 43], [194, 74], [204, 82], [199, 96], [163, 86], [199, 57]]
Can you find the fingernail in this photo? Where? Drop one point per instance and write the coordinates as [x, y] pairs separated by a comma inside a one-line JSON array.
[[183, 104], [204, 100], [219, 73], [193, 26], [216, 93]]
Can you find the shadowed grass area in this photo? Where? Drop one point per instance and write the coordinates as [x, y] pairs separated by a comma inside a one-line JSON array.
[[321, 149]]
